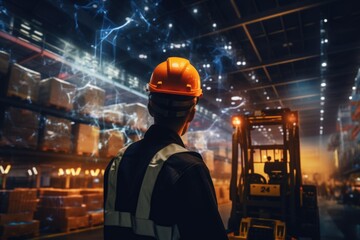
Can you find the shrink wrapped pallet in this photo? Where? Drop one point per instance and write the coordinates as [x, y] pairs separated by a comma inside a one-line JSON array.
[[208, 157], [4, 62], [56, 135], [111, 142], [89, 100], [86, 139], [114, 114], [85, 191], [137, 116], [57, 93], [23, 82], [20, 128]]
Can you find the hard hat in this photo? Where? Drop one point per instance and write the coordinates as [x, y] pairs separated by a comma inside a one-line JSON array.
[[176, 76]]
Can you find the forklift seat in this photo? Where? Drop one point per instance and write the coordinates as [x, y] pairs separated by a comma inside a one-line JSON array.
[[277, 171]]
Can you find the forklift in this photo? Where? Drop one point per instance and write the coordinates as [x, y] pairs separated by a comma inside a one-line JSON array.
[[268, 198]]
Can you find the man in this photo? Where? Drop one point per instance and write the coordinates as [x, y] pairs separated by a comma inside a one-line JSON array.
[[156, 188]]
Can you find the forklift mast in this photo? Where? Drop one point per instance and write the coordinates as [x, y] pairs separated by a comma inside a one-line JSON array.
[[266, 183]]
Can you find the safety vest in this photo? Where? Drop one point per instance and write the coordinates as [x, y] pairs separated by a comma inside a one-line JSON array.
[[140, 223]]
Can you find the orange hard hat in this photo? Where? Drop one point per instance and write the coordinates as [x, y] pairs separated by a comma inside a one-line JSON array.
[[176, 76]]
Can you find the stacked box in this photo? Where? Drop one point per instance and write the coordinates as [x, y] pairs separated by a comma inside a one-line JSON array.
[[62, 209], [4, 62], [93, 200], [137, 116], [57, 134], [208, 157], [114, 114], [17, 208], [111, 142], [23, 83], [20, 128], [56, 92], [18, 200], [89, 100], [86, 139]]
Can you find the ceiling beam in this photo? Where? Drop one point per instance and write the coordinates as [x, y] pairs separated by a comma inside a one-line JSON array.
[[269, 14], [275, 63], [291, 98]]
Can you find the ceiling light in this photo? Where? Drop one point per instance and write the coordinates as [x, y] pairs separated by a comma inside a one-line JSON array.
[[323, 84], [324, 64], [195, 10], [321, 132], [350, 97], [244, 63], [326, 40], [353, 88], [232, 103], [253, 77], [322, 111], [208, 88], [146, 8], [321, 119], [321, 127], [238, 63], [220, 77], [322, 98], [170, 25], [164, 50], [236, 98], [267, 98], [325, 20], [208, 65], [265, 92], [257, 80], [214, 25]]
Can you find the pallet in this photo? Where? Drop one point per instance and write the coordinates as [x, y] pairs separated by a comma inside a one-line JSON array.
[[57, 107], [73, 223], [46, 149], [96, 218]]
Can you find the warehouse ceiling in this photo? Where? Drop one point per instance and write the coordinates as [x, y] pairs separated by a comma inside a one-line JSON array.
[[252, 54]]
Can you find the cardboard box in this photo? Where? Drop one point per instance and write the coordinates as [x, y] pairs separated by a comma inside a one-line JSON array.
[[86, 139], [137, 116], [61, 201], [89, 100], [208, 157], [56, 92], [20, 128], [71, 223], [23, 82], [58, 192], [96, 217], [114, 114], [56, 135], [6, 218], [60, 212], [18, 200], [4, 62], [20, 229], [111, 142]]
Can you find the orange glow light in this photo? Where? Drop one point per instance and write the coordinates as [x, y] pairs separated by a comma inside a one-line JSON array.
[[236, 121]]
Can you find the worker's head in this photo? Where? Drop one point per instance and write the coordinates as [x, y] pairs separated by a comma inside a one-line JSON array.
[[174, 92]]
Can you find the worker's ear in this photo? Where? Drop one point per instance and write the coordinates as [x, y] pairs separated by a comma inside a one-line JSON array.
[[151, 111], [191, 114]]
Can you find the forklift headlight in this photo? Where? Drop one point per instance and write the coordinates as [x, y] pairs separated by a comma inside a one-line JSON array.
[[236, 121]]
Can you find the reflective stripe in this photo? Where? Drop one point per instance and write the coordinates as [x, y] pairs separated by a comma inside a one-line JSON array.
[[155, 165], [140, 223], [144, 227]]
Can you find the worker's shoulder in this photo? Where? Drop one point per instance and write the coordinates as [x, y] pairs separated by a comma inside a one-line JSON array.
[[183, 161]]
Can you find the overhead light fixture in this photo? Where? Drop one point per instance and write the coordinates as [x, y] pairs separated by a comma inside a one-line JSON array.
[[322, 98], [170, 25], [350, 97], [325, 20], [214, 25], [324, 64], [195, 10], [236, 98], [353, 88], [323, 84]]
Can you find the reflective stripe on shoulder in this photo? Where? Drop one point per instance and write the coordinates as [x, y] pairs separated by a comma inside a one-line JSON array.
[[155, 165], [140, 223], [112, 179]]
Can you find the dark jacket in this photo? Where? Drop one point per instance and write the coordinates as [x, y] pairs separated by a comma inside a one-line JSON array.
[[183, 193]]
